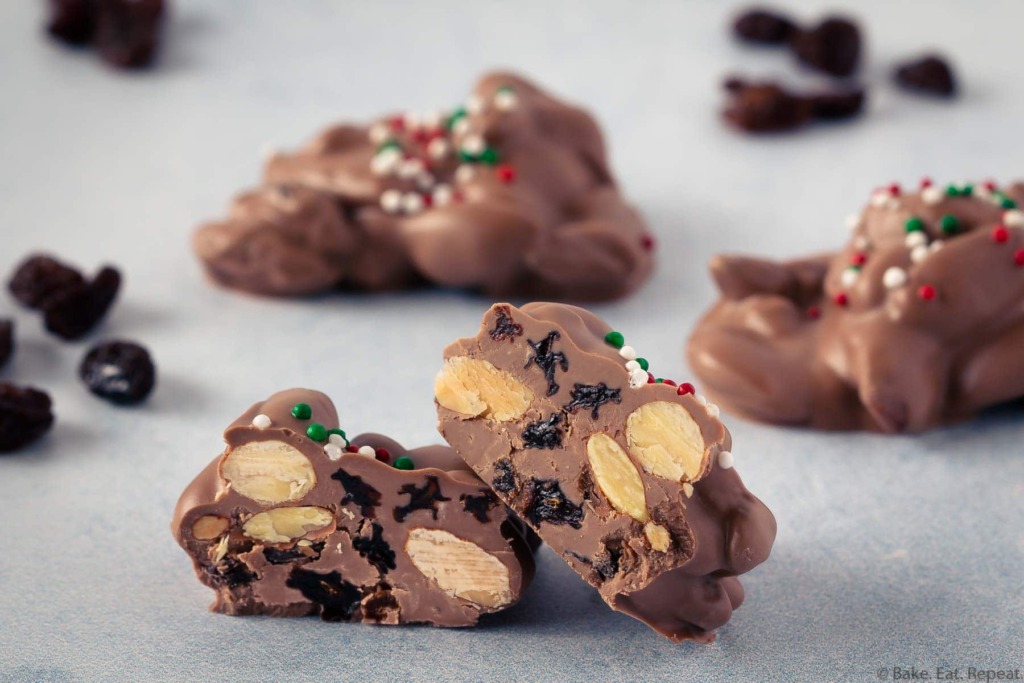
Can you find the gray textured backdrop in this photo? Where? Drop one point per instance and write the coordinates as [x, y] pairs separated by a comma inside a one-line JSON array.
[[891, 551]]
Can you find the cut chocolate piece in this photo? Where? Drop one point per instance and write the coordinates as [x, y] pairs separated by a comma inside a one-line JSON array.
[[833, 46], [763, 26], [25, 415], [120, 371], [6, 341], [637, 493], [930, 74], [290, 522], [768, 107], [510, 194], [915, 323]]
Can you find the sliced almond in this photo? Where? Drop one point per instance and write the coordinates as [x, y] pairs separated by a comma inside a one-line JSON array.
[[665, 439], [460, 568], [269, 472], [209, 527], [617, 477], [476, 387], [282, 525]]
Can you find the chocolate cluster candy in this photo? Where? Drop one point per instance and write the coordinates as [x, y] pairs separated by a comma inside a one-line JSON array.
[[915, 323], [628, 477], [294, 520], [510, 195]]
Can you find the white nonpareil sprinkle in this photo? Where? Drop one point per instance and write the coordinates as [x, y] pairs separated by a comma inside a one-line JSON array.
[[879, 198], [893, 203], [637, 378], [632, 365], [336, 440], [725, 460], [894, 277], [412, 202], [391, 201], [367, 451], [412, 121], [333, 451], [438, 148], [385, 161], [505, 100], [473, 144], [919, 253], [1014, 218], [461, 126], [628, 352], [442, 195], [379, 133], [464, 173], [849, 277], [261, 421], [711, 409], [699, 398], [981, 192], [915, 239], [474, 105], [853, 221], [410, 168], [936, 245], [932, 194], [432, 119]]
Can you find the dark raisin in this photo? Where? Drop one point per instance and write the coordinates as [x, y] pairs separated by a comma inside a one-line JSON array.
[[127, 31], [607, 562], [25, 415], [310, 552], [547, 503], [764, 107], [833, 46], [230, 572], [424, 497], [479, 506], [505, 327], [121, 372], [380, 604], [75, 311], [838, 106], [338, 599], [6, 341], [763, 26], [544, 433], [548, 360], [359, 492], [72, 21], [592, 396], [371, 544], [40, 278], [505, 477], [930, 74]]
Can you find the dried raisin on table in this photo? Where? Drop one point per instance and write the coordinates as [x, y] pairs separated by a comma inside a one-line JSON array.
[[41, 278], [763, 26], [74, 313], [127, 31], [25, 415], [931, 74], [121, 372], [6, 341], [833, 46], [72, 21]]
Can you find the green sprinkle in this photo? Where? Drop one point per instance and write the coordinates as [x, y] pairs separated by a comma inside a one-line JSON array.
[[459, 113], [1007, 203], [316, 432], [914, 224], [949, 224], [615, 339], [339, 432], [643, 364], [967, 190], [302, 411], [489, 156], [951, 191], [855, 268], [506, 88], [389, 144], [660, 380], [403, 463], [467, 157]]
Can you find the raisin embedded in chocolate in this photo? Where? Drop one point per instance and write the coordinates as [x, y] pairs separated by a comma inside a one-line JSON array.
[[592, 396], [127, 31], [505, 327], [549, 504], [838, 106], [230, 572], [505, 477], [544, 433], [424, 497], [310, 552], [338, 599], [6, 341], [25, 415], [374, 548], [40, 278], [380, 604], [74, 312], [548, 360], [72, 21], [359, 492], [121, 372], [833, 46], [930, 74], [479, 506], [763, 26], [764, 107]]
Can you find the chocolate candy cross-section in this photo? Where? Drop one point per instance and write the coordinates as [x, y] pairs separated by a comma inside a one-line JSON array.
[[292, 520], [627, 476]]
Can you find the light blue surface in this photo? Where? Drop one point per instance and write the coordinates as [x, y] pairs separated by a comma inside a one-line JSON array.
[[890, 552]]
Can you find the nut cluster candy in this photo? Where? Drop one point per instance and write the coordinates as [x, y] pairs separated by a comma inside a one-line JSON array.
[[915, 323], [293, 519], [509, 194], [627, 476]]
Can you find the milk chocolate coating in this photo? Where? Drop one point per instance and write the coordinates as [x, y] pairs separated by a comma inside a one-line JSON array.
[[538, 463], [357, 567], [510, 196], [902, 330]]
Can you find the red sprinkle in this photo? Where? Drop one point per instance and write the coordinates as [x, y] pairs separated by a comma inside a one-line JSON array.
[[428, 200], [926, 292], [926, 182], [1000, 233], [457, 196], [858, 258], [352, 448], [894, 189], [813, 312], [650, 378], [421, 136], [1018, 257], [990, 185], [668, 382], [647, 242], [686, 388], [841, 299], [506, 173], [382, 455], [396, 123]]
